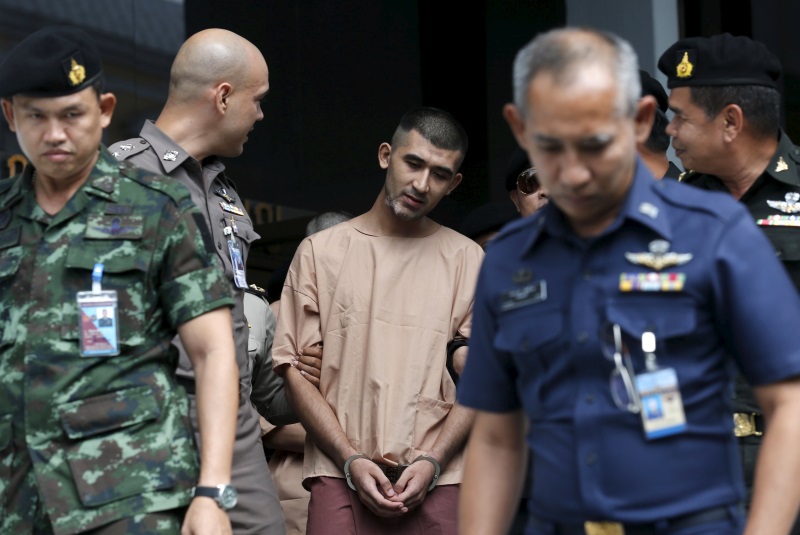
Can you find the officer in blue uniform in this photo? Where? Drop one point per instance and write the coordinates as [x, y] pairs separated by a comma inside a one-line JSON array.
[[624, 292]]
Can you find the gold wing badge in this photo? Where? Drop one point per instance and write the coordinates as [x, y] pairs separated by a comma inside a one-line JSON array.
[[659, 256]]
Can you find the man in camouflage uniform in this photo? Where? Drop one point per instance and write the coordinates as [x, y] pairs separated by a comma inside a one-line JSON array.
[[217, 82], [726, 131], [101, 444]]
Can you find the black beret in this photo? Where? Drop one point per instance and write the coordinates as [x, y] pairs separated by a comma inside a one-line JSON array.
[[719, 60], [517, 164], [651, 86], [52, 62], [489, 217]]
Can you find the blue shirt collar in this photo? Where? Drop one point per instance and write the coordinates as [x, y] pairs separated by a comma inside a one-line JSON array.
[[643, 205]]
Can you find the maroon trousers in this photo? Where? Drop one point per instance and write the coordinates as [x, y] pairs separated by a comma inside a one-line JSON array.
[[334, 508]]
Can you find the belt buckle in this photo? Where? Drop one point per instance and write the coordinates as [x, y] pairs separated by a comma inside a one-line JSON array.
[[603, 528], [744, 424], [393, 473]]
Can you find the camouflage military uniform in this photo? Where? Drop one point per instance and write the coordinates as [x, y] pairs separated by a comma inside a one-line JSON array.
[[85, 441]]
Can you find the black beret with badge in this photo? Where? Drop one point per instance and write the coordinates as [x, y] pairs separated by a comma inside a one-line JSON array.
[[651, 86], [719, 60], [52, 62]]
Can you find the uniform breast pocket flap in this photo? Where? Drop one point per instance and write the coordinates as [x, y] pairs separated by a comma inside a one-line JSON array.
[[668, 316]]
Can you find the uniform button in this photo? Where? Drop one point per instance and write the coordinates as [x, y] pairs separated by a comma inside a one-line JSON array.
[[589, 398], [591, 459], [587, 275], [143, 141], [219, 246], [582, 337]]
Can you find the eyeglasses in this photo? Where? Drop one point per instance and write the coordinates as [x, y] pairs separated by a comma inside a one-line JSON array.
[[527, 183], [621, 381]]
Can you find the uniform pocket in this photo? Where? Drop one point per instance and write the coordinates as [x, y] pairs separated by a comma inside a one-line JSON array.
[[116, 450], [125, 267]]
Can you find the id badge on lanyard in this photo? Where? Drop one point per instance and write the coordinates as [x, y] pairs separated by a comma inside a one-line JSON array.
[[236, 255], [662, 407], [98, 320]]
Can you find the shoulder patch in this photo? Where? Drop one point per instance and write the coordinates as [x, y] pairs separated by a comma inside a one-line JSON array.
[[162, 183], [125, 149]]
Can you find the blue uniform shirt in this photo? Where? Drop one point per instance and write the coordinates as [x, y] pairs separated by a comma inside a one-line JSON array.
[[541, 351]]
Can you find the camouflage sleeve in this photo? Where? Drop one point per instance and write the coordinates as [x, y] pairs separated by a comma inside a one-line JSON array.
[[191, 283]]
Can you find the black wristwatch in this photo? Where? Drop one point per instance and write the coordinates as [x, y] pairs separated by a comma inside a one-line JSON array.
[[225, 495]]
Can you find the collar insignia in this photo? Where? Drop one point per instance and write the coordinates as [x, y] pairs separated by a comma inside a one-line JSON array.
[[77, 73], [170, 156], [649, 210], [685, 67], [790, 206], [522, 276], [659, 256], [781, 165]]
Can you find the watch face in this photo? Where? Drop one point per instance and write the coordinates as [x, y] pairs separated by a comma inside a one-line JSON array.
[[228, 497]]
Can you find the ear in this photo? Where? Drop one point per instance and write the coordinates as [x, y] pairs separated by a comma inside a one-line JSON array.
[[222, 95], [8, 113], [643, 120], [456, 182], [384, 155], [108, 101], [732, 119], [513, 195], [516, 122]]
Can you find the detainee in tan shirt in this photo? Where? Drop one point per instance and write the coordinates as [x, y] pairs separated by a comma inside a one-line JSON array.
[[385, 293]]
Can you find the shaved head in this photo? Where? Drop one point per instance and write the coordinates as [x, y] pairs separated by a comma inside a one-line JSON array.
[[208, 58]]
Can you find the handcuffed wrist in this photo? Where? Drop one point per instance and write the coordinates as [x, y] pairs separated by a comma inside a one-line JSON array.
[[436, 466], [347, 468]]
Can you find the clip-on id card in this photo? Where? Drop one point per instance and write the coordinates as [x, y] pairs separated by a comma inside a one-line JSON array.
[[98, 320], [236, 256], [662, 407]]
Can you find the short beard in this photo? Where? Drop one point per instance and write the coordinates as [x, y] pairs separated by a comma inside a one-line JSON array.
[[394, 205]]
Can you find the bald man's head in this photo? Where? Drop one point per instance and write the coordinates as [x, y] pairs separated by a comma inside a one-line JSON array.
[[208, 58]]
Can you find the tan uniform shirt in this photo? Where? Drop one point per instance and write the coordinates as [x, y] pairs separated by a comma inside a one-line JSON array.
[[384, 308]]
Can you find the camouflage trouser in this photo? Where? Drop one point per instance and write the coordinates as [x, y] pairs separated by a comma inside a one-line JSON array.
[[24, 513]]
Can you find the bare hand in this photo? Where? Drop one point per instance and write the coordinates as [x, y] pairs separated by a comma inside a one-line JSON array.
[[375, 490], [460, 359], [205, 517], [412, 487], [309, 363]]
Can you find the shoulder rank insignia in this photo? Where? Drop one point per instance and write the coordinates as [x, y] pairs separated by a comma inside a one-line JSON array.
[[781, 165], [685, 67], [659, 256], [790, 206], [170, 156], [77, 73], [126, 147]]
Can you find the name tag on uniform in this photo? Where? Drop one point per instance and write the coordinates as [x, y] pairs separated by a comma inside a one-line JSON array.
[[662, 407], [526, 295]]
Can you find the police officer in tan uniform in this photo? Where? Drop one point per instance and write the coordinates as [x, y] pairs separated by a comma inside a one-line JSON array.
[[217, 83]]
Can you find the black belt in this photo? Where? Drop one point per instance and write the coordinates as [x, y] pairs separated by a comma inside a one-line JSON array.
[[393, 473], [187, 383], [596, 528]]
